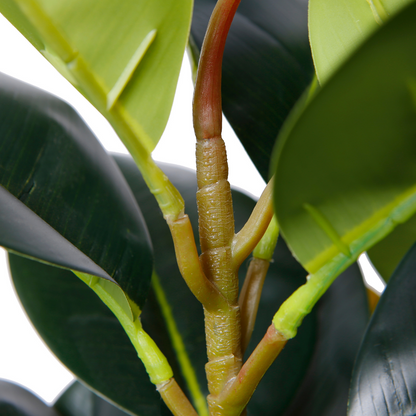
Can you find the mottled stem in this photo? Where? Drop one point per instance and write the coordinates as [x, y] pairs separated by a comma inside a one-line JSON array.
[[216, 230]]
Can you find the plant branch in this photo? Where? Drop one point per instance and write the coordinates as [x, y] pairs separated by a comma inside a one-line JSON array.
[[188, 262], [207, 108], [249, 236], [250, 298], [253, 283], [175, 400], [238, 392]]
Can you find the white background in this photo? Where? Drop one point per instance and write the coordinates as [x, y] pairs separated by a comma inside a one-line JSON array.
[[23, 356]]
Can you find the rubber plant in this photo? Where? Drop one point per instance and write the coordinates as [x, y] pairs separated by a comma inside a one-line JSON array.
[[213, 336]]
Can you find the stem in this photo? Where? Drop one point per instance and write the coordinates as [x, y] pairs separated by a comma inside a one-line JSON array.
[[216, 218], [190, 267], [155, 363], [233, 400], [253, 284], [250, 298], [207, 107], [175, 400], [246, 240]]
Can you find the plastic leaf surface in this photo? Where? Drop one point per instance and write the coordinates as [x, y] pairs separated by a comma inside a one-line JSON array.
[[384, 381], [338, 27], [267, 65], [64, 201], [125, 57], [345, 167]]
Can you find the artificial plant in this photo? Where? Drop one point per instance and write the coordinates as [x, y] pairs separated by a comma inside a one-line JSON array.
[[344, 176]]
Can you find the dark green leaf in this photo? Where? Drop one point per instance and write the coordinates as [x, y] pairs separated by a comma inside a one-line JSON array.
[[342, 315], [55, 172], [77, 400], [267, 65], [346, 164], [285, 275], [384, 377], [82, 332], [17, 401]]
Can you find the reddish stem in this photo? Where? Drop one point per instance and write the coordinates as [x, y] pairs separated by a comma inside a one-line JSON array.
[[207, 108]]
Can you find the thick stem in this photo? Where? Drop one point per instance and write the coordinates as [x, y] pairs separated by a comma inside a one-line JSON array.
[[216, 229], [234, 398]]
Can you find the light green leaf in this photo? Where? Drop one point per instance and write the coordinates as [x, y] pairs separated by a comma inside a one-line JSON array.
[[124, 56], [346, 167], [338, 27]]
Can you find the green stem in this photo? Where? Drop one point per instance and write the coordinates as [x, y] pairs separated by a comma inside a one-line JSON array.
[[249, 236]]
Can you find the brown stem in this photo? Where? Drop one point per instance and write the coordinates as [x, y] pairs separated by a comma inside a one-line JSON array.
[[234, 398], [175, 399], [250, 297]]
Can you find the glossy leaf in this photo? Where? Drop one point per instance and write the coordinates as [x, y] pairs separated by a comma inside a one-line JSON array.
[[64, 201], [338, 27], [285, 275], [77, 400], [346, 164], [267, 65], [17, 401], [342, 315], [82, 332], [384, 381], [125, 57]]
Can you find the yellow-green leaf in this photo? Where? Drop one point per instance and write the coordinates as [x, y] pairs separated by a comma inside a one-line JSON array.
[[124, 56]]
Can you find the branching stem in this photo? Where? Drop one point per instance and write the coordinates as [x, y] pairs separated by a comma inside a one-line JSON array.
[[249, 236], [234, 398]]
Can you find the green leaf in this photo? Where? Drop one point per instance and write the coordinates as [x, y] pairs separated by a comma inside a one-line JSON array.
[[17, 401], [342, 315], [83, 333], [346, 162], [125, 57], [63, 199], [267, 65], [384, 381], [337, 28], [285, 275], [78, 400]]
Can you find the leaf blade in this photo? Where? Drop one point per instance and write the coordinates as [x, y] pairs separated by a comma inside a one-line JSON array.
[[383, 379], [52, 163], [345, 185]]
